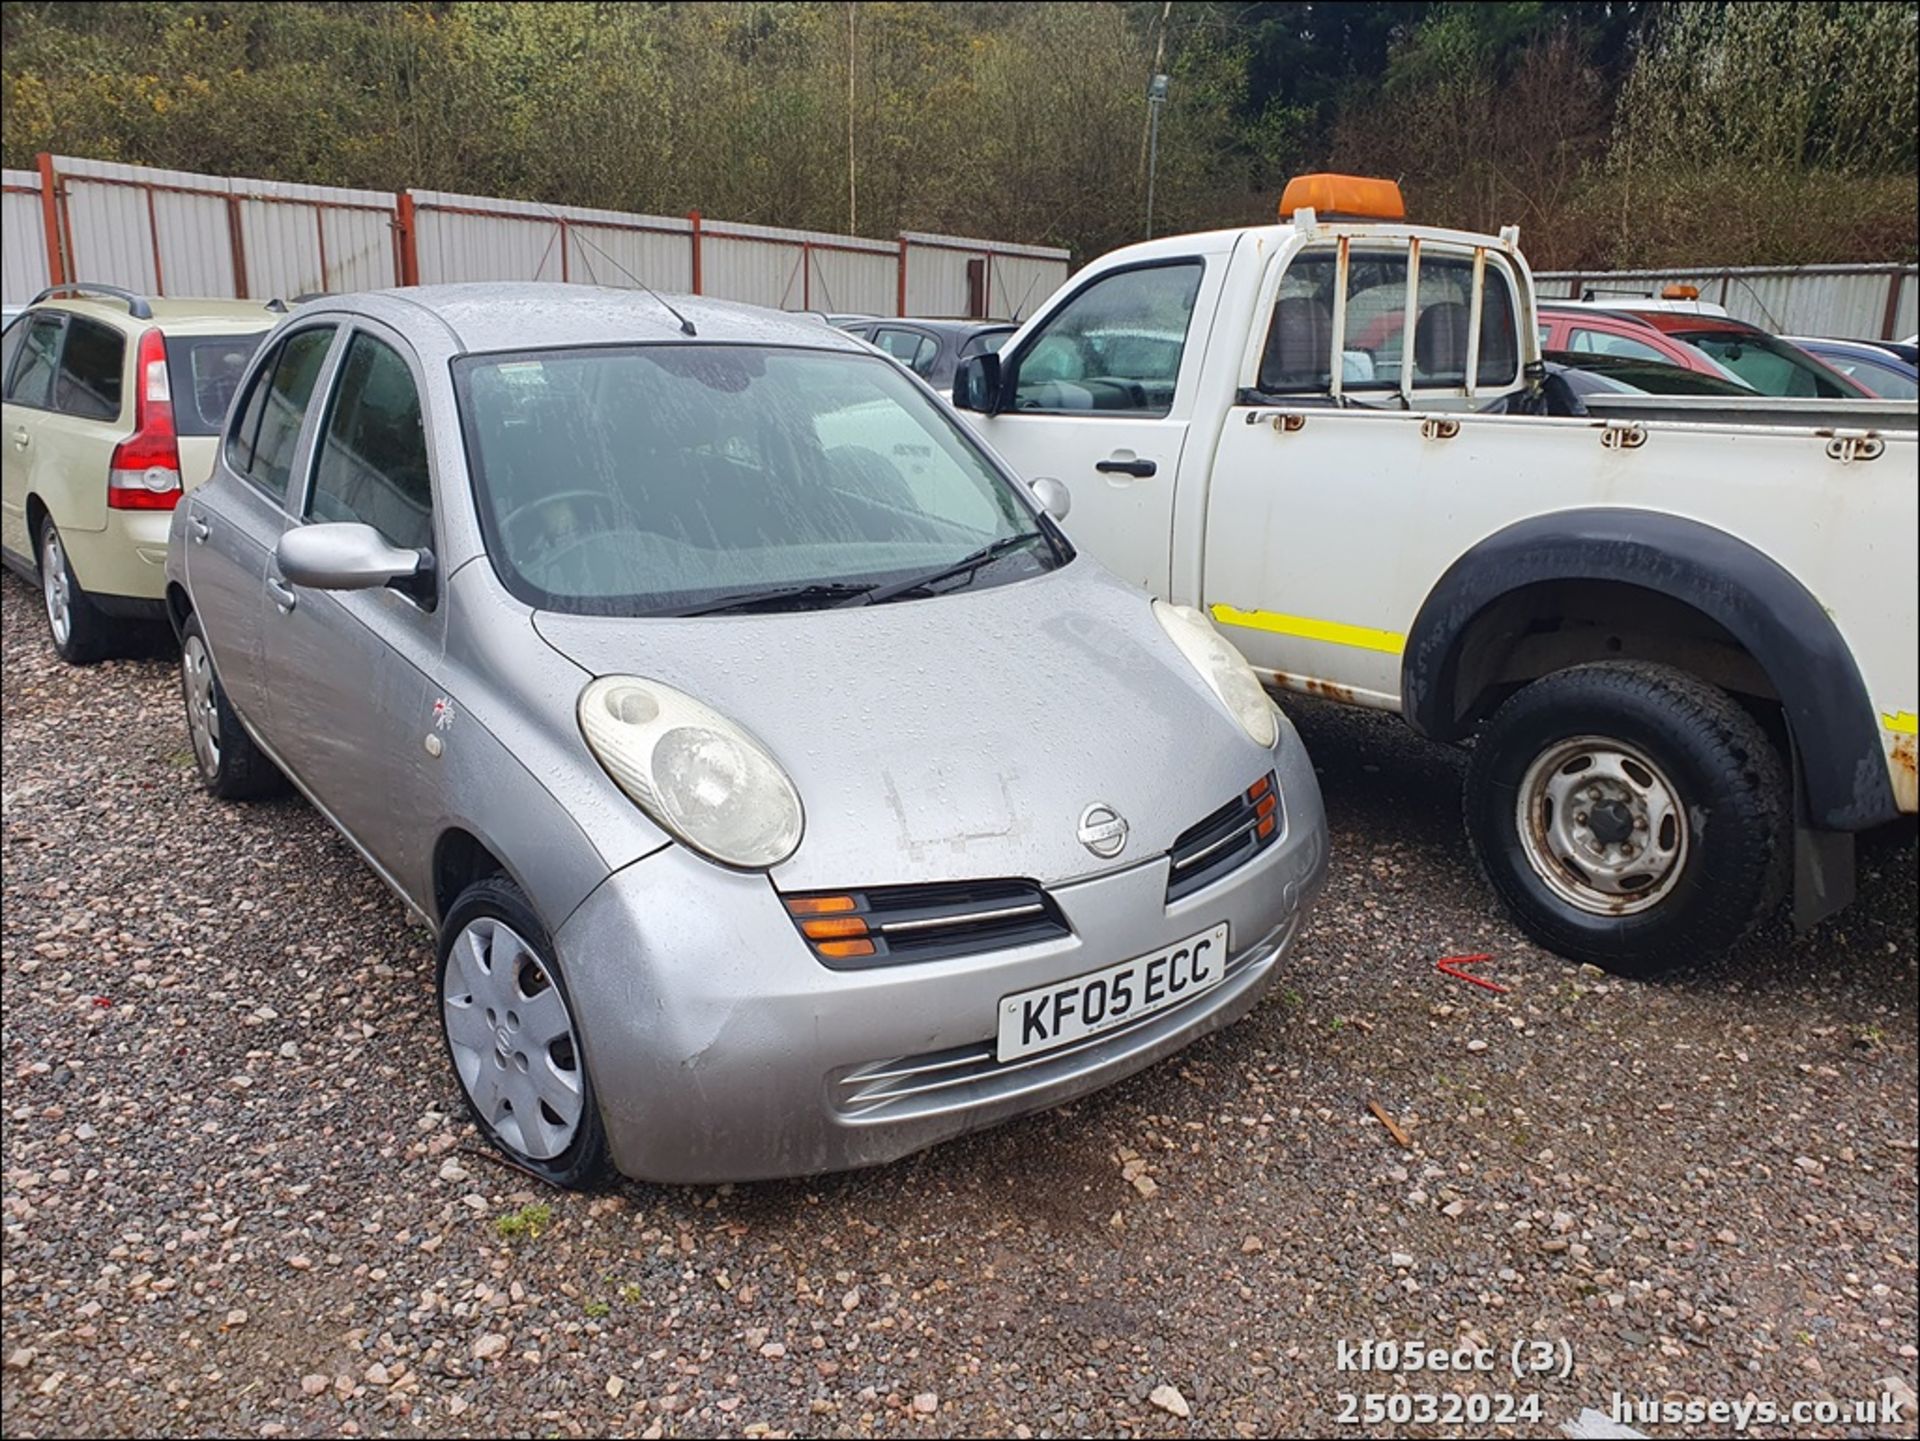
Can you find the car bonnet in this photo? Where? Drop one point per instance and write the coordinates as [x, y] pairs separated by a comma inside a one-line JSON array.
[[960, 737]]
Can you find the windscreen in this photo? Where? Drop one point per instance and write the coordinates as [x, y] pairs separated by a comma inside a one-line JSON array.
[[203, 372], [664, 479]]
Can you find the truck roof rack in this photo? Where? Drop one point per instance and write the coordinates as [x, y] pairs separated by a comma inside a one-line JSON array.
[[137, 305]]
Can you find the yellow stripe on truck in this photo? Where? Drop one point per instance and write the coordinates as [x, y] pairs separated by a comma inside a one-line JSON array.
[[1335, 632], [1901, 723]]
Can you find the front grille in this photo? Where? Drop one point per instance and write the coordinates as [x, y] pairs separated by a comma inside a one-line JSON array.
[[1225, 840], [891, 925], [972, 1075]]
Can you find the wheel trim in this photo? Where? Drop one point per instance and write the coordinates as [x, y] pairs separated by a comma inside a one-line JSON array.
[[513, 1040], [56, 587], [1602, 826], [196, 684]]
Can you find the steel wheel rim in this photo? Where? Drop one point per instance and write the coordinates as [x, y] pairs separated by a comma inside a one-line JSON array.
[[513, 1040], [55, 588], [196, 685], [1603, 826]]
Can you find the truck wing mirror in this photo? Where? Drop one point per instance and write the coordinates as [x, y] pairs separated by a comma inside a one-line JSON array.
[[976, 384]]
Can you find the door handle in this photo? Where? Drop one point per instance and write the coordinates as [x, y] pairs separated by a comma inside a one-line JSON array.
[[21, 440], [1138, 469], [198, 528], [284, 595]]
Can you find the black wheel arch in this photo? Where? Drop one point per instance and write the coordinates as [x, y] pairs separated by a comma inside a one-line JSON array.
[[1762, 606]]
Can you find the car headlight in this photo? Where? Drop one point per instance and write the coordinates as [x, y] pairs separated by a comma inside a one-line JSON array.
[[696, 773], [1223, 668]]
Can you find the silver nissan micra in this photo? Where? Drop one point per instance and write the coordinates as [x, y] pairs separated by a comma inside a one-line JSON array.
[[787, 795]]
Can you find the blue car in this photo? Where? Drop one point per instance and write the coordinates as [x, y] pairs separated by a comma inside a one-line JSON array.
[[1878, 367]]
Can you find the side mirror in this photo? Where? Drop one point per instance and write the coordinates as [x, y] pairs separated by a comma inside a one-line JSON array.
[[976, 383], [1054, 497], [348, 555]]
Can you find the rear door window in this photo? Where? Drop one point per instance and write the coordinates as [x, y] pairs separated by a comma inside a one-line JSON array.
[[373, 460], [910, 348], [38, 361], [204, 372], [91, 368], [266, 427]]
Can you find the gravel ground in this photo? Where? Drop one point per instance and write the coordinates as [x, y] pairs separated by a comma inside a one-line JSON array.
[[240, 1196]]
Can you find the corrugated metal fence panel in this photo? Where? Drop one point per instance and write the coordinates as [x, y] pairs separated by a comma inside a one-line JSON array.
[[1021, 283], [1018, 276], [302, 238], [736, 264], [195, 243], [622, 257], [109, 237], [511, 240], [855, 282], [23, 238], [936, 280], [1840, 300]]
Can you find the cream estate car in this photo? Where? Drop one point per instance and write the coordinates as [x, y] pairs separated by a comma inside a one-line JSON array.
[[113, 410]]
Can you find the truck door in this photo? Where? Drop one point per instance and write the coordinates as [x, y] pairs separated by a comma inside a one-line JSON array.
[[1099, 395], [1337, 484]]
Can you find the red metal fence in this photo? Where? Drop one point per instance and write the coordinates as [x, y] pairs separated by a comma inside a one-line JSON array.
[[172, 232]]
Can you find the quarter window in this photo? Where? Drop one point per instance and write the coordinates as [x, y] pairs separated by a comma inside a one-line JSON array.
[[91, 365], [373, 461], [39, 359], [266, 426], [1114, 347]]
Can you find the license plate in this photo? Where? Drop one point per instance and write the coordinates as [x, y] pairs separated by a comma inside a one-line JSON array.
[[1068, 1011]]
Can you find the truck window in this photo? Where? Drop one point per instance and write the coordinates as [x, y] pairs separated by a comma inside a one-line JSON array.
[[1113, 348], [1299, 349]]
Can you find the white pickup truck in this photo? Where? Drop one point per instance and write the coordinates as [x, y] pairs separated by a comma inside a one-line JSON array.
[[1679, 632]]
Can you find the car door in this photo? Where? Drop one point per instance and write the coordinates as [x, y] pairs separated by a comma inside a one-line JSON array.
[[32, 364], [235, 519], [1099, 395], [350, 672]]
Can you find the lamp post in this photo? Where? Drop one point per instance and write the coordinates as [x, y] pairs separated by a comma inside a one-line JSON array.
[[1156, 97]]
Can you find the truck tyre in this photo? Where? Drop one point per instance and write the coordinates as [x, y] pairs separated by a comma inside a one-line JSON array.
[[1630, 815]]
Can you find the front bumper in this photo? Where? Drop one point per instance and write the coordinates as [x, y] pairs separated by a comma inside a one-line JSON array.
[[722, 1050]]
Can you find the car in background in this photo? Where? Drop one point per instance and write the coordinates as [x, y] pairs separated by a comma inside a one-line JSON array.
[[8, 314], [1581, 330], [514, 586], [931, 349], [1769, 364], [1627, 374], [113, 401], [1875, 365]]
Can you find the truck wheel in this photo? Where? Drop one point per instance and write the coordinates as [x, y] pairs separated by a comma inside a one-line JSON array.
[[514, 1039], [78, 630], [1630, 815], [230, 765]]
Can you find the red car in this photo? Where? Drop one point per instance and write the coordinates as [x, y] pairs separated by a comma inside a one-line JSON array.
[[1583, 330], [1765, 362]]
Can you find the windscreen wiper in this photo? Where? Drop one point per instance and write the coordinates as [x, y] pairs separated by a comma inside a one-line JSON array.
[[793, 597], [962, 566]]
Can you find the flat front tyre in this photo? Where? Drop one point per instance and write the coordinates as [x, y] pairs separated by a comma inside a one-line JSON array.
[[229, 764], [78, 630], [513, 1039], [1630, 815]]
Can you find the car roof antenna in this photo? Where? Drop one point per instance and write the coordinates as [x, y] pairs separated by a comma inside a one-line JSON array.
[[686, 325]]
